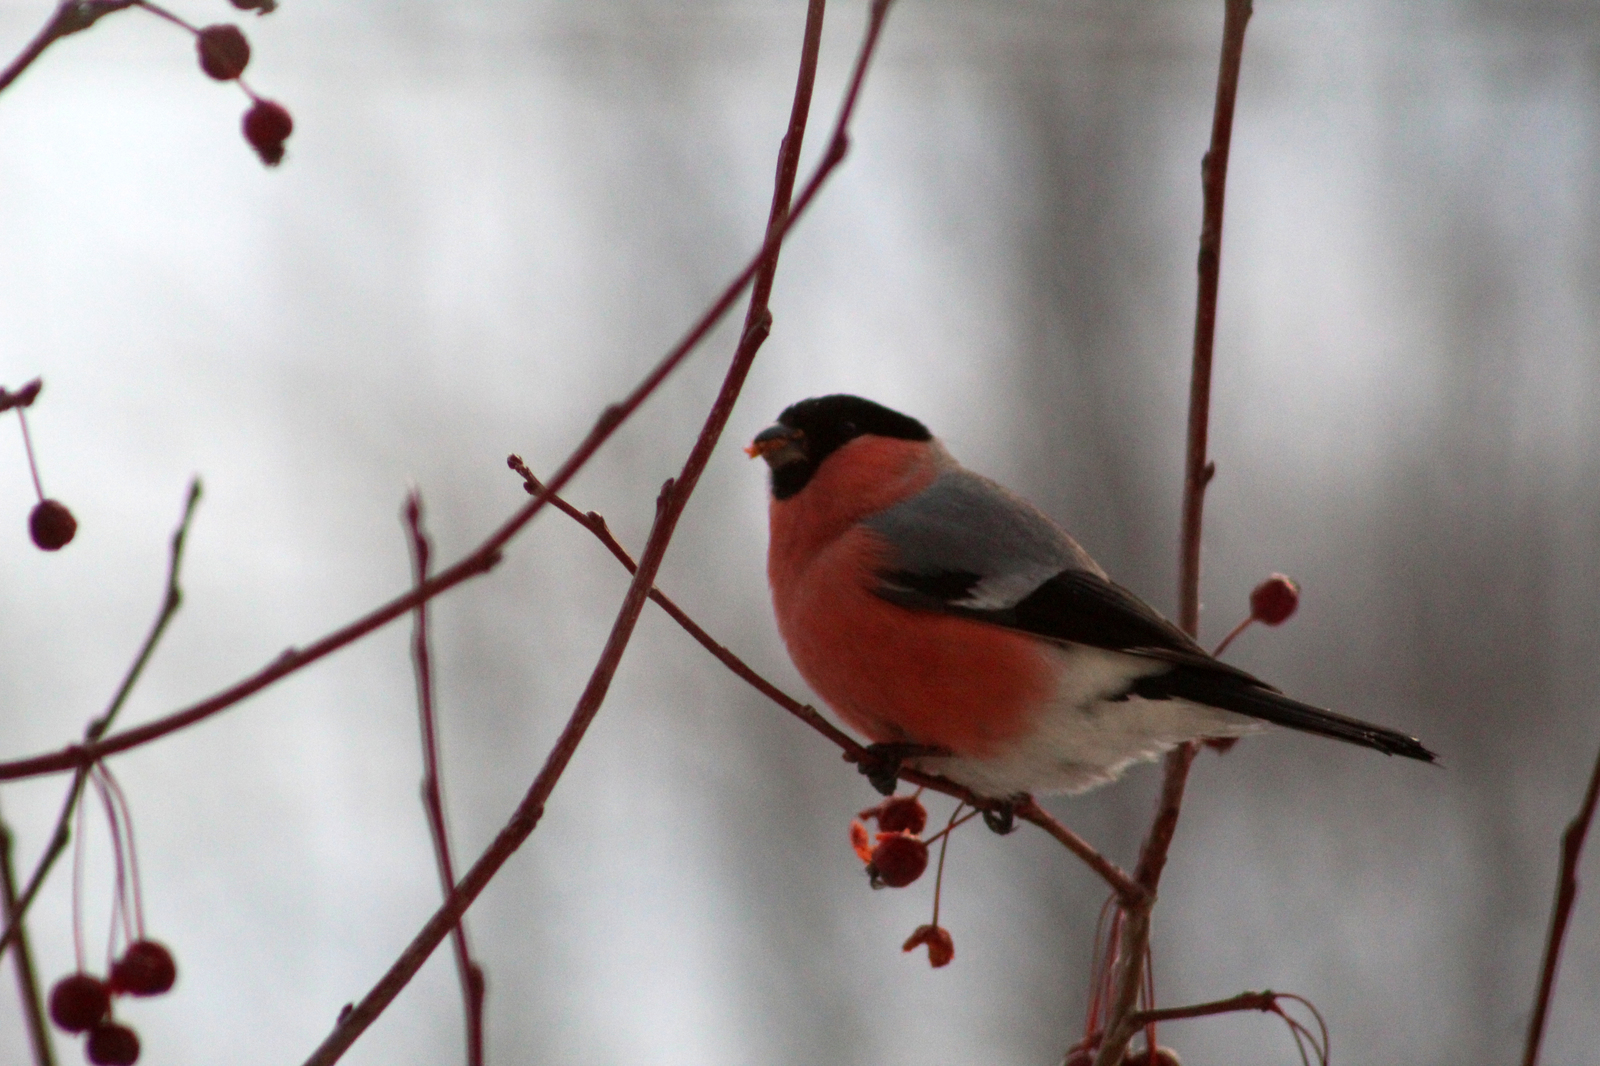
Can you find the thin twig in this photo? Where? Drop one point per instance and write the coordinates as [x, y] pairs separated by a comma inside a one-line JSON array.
[[669, 507], [70, 16], [1029, 811], [22, 955], [1132, 895], [487, 555], [1197, 473], [1566, 894], [1262, 1001], [596, 524], [171, 600], [467, 969]]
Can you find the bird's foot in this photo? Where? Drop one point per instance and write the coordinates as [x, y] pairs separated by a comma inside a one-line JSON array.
[[1002, 817], [883, 767]]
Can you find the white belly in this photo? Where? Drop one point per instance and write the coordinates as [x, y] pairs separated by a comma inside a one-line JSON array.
[[1085, 736]]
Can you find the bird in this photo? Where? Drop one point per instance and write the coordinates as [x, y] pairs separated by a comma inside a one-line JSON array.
[[943, 616]]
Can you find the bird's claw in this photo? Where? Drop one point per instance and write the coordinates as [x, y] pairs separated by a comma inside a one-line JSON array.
[[883, 768], [1002, 818]]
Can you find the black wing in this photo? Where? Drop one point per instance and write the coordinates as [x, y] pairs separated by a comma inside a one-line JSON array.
[[1080, 607]]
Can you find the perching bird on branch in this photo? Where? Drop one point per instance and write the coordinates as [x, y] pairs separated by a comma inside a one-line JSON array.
[[934, 609]]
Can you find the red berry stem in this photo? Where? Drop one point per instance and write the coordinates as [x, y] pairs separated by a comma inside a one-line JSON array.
[[1234, 632], [954, 824], [162, 12], [136, 895], [944, 848], [27, 444], [119, 901]]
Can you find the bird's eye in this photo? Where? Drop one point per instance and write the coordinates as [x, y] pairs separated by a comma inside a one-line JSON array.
[[849, 429]]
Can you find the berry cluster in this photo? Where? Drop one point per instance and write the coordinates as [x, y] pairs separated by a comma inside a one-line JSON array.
[[81, 1002], [224, 52], [898, 857], [50, 524]]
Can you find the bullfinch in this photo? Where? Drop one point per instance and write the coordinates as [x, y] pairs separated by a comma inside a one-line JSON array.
[[932, 608]]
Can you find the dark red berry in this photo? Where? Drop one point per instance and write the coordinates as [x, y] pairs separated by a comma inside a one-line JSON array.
[[1274, 600], [51, 525], [78, 1002], [266, 126], [898, 859], [902, 814], [111, 1044], [224, 51], [260, 7], [941, 948], [145, 969]]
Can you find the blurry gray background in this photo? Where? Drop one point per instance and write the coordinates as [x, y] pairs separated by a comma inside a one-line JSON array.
[[494, 216]]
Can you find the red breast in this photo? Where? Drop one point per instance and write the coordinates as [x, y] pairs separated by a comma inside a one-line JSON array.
[[892, 673]]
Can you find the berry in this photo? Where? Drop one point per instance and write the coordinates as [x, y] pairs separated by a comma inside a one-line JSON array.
[[902, 814], [51, 525], [111, 1044], [224, 51], [260, 7], [941, 949], [145, 969], [1274, 600], [78, 1002], [266, 126], [898, 859]]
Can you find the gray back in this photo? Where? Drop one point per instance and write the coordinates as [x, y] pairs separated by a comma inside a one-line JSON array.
[[965, 523]]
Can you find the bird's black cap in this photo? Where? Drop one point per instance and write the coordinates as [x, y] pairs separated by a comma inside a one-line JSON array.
[[820, 426]]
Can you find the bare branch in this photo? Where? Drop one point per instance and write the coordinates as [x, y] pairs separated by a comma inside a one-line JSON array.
[[22, 955], [70, 16], [467, 969], [1561, 913]]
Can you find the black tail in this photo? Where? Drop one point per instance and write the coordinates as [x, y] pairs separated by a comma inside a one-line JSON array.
[[1231, 693]]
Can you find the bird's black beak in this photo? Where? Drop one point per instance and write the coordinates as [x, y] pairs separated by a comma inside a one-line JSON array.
[[779, 445]]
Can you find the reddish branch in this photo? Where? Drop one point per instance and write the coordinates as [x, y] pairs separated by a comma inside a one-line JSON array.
[[1198, 470], [1269, 1002], [70, 16], [22, 956], [1566, 894], [468, 970]]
